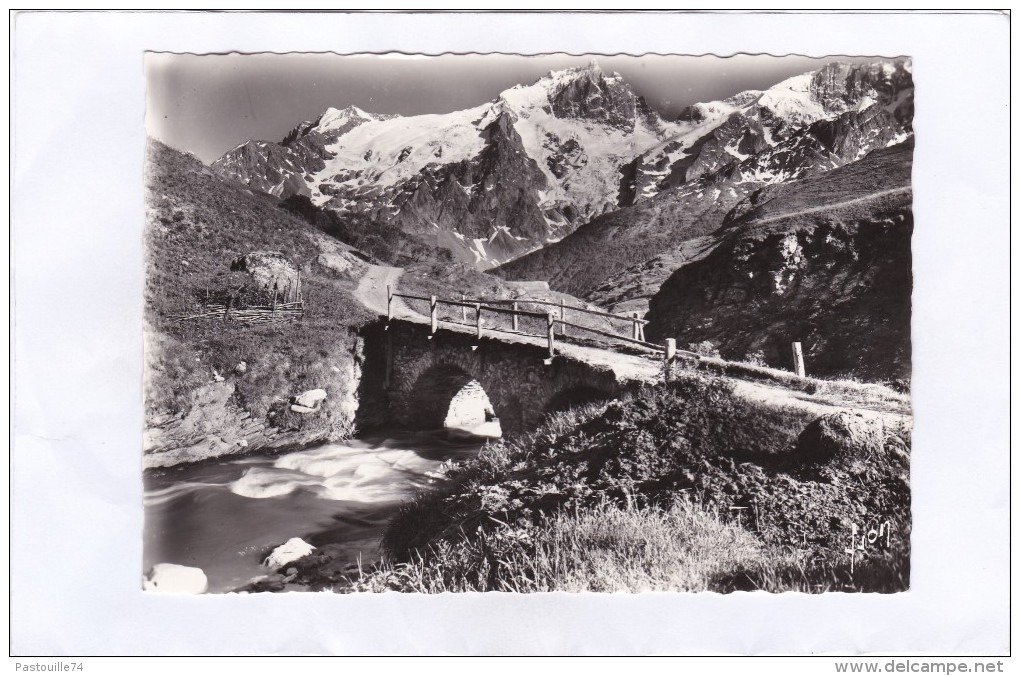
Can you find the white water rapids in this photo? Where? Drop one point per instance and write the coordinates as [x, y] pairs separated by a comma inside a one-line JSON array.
[[225, 516]]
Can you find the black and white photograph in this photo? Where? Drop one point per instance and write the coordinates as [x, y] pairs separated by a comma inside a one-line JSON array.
[[527, 323], [460, 333]]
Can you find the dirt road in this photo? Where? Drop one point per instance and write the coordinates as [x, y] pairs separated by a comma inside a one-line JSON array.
[[371, 291], [835, 205]]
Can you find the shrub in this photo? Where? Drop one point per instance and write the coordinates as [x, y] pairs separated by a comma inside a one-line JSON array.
[[756, 358], [705, 348]]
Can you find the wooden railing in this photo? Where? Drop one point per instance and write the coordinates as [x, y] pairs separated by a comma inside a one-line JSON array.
[[549, 319], [667, 349]]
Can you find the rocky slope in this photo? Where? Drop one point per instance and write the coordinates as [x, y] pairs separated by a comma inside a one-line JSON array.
[[684, 189], [823, 260]]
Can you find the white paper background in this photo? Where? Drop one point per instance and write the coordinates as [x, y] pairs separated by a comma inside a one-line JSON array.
[[76, 515]]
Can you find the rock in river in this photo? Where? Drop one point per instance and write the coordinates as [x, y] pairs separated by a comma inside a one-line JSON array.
[[176, 579], [292, 550]]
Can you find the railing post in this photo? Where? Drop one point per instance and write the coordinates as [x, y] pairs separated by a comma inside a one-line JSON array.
[[478, 319], [389, 303], [635, 331], [463, 309], [670, 356], [513, 317], [798, 360], [388, 375], [434, 314], [563, 316], [551, 333]]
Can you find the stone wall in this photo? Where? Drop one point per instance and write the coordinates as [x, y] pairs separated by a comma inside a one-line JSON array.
[[425, 374]]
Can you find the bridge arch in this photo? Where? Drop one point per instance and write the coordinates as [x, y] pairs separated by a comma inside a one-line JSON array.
[[447, 396], [413, 377]]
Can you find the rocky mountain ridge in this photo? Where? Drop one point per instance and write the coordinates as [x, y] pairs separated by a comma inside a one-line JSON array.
[[823, 260], [529, 167], [489, 183], [802, 127]]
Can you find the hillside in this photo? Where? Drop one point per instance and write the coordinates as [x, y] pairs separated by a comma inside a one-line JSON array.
[[824, 260], [585, 260], [216, 387], [632, 289]]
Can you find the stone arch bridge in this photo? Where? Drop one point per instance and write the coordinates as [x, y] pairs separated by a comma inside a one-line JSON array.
[[413, 378]]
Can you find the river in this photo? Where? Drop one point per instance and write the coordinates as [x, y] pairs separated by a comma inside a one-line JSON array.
[[225, 516]]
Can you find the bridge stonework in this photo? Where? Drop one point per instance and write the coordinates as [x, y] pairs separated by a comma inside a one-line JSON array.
[[416, 376]]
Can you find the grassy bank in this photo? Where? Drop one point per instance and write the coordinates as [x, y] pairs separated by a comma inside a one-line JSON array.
[[681, 487], [214, 387]]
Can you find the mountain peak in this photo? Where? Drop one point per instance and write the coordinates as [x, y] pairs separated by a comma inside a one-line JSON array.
[[348, 112], [593, 67], [341, 120], [591, 71]]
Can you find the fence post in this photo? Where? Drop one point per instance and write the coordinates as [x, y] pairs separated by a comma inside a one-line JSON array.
[[513, 317], [275, 288], [670, 356], [551, 332], [463, 309], [563, 317], [226, 314], [798, 360], [478, 319], [388, 376], [635, 331], [434, 312], [389, 303]]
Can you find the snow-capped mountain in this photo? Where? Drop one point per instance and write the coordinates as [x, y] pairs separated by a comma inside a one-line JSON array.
[[774, 127], [514, 174], [489, 182], [689, 187]]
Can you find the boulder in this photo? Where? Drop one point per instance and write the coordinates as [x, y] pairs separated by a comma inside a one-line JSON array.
[[172, 578], [271, 269], [291, 550], [843, 434], [310, 399], [298, 408], [336, 263]]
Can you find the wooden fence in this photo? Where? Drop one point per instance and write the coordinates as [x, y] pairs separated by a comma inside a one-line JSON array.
[[280, 312], [280, 309], [260, 313], [549, 320]]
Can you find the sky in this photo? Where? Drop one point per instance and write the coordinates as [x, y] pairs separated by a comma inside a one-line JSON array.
[[207, 104]]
